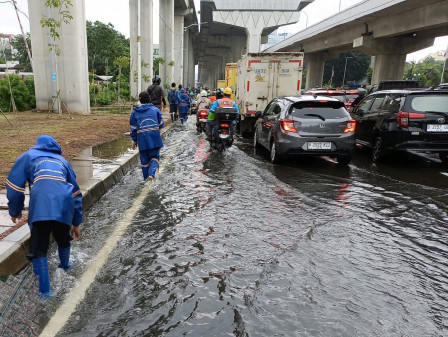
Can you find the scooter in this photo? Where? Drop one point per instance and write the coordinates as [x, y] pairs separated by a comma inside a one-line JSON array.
[[223, 131], [201, 120]]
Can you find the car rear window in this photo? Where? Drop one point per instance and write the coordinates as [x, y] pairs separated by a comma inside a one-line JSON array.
[[326, 109], [437, 103]]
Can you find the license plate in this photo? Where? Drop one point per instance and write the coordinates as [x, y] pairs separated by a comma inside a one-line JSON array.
[[203, 120], [223, 136], [437, 128], [319, 145]]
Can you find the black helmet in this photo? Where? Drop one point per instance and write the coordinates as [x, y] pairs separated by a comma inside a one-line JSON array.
[[156, 79]]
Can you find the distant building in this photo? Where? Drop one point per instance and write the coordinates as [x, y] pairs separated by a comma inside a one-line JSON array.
[[437, 56], [5, 42], [274, 38]]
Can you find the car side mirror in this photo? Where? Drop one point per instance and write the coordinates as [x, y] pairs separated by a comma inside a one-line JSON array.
[[258, 114]]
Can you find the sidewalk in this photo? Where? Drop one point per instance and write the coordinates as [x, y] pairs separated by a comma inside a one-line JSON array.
[[14, 238]]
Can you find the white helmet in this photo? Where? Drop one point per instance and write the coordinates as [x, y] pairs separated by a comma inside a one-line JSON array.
[[204, 93]]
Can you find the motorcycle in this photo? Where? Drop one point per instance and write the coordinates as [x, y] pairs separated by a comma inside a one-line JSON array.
[[201, 120], [223, 131]]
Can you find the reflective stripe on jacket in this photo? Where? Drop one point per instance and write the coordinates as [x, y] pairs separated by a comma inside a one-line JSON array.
[[145, 122]]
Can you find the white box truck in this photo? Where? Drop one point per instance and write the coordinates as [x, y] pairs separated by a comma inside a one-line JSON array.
[[260, 78]]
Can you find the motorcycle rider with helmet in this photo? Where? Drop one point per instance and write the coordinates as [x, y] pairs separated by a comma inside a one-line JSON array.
[[156, 94], [225, 103]]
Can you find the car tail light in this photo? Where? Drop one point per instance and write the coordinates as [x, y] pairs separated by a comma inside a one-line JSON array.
[[288, 126], [404, 117], [224, 125], [351, 125]]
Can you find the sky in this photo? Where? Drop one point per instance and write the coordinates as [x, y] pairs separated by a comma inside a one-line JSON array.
[[116, 12]]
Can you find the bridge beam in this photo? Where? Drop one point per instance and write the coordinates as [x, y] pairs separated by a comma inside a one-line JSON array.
[[390, 53]]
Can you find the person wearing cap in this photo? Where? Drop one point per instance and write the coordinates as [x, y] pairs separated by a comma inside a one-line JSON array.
[[55, 205], [184, 106], [146, 122]]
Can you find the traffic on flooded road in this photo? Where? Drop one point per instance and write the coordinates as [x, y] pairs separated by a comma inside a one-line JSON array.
[[228, 244]]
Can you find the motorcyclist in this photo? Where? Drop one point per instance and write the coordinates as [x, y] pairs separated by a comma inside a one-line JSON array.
[[361, 95], [156, 94], [223, 102], [203, 103]]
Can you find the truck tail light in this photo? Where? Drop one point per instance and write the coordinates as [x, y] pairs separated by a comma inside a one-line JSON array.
[[404, 117], [351, 125], [288, 126]]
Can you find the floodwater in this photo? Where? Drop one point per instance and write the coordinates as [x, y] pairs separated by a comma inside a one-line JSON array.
[[234, 246]]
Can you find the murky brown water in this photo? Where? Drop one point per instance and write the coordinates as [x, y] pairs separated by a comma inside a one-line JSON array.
[[233, 246]]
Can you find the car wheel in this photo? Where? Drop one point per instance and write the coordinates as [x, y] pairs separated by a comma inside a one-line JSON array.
[[377, 153], [275, 157], [344, 160], [444, 157]]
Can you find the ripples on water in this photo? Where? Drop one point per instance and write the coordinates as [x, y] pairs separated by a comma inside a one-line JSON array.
[[233, 246]]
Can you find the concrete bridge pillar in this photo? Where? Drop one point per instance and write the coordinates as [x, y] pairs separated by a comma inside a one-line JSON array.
[[70, 69], [390, 53], [178, 49], [315, 69], [166, 40], [147, 46]]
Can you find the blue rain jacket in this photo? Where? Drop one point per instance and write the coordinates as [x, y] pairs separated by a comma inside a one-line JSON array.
[[184, 104], [146, 122], [54, 193]]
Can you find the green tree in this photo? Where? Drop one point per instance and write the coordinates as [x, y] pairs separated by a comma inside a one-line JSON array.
[[357, 65], [122, 81], [157, 62], [428, 72], [105, 45], [22, 91], [22, 55]]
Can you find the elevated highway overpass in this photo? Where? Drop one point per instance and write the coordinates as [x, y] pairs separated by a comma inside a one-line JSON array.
[[386, 29]]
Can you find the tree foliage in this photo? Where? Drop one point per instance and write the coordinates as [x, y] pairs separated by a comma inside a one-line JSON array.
[[428, 72], [105, 45], [22, 55], [357, 65], [23, 93]]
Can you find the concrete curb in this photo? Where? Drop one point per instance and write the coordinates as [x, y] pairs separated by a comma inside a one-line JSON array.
[[14, 247]]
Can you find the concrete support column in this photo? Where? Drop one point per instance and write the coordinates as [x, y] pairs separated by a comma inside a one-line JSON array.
[[192, 64], [390, 54], [147, 45], [166, 40], [315, 70], [253, 39], [72, 65], [186, 58], [179, 46], [388, 67]]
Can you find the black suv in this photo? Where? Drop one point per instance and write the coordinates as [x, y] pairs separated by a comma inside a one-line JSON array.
[[411, 120]]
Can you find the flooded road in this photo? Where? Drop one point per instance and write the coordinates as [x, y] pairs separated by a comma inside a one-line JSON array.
[[234, 246]]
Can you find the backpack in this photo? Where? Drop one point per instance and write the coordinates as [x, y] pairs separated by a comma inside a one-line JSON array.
[[172, 96]]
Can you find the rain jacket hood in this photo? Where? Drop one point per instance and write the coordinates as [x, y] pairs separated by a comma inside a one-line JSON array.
[[47, 143]]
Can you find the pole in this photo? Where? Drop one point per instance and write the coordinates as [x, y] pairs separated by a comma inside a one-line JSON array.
[[139, 49], [52, 66], [345, 68], [23, 34], [443, 71]]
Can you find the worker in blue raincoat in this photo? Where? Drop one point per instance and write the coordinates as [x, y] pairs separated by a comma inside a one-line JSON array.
[[184, 106], [55, 204], [146, 122]]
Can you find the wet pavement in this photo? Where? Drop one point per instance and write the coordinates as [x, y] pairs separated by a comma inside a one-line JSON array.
[[230, 245]]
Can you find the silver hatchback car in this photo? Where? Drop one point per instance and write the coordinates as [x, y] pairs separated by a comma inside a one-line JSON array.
[[306, 125]]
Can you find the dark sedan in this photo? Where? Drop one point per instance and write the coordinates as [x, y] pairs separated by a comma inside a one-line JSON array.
[[306, 126]]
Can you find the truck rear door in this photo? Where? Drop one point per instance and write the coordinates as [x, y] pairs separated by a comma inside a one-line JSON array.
[[287, 77], [259, 85]]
